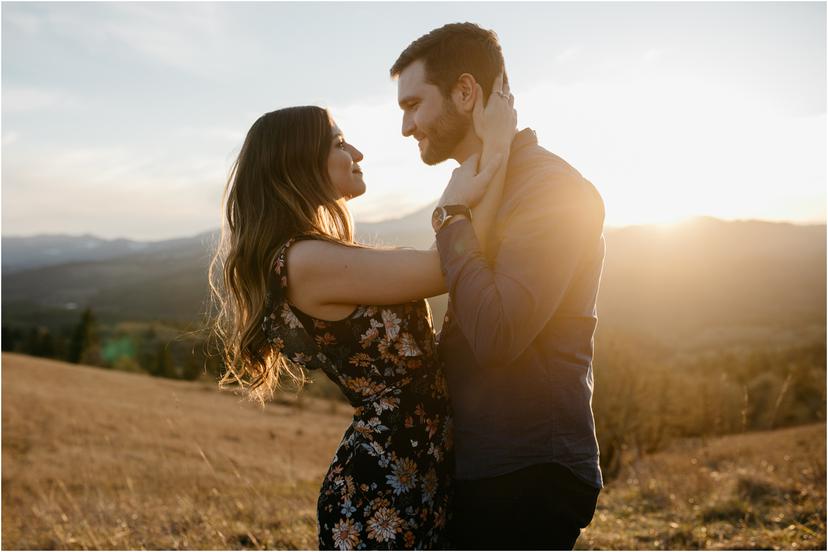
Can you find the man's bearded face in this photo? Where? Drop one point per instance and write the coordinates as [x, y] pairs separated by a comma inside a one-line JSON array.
[[433, 120], [442, 135]]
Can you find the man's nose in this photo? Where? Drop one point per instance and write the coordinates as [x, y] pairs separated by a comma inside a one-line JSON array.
[[408, 126]]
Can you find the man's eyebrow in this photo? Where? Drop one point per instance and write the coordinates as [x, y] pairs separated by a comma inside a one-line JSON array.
[[407, 100]]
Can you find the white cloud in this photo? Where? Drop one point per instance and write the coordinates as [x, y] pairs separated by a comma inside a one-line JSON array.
[[26, 22], [221, 134], [10, 138], [653, 54], [112, 191], [29, 98], [568, 55], [189, 37]]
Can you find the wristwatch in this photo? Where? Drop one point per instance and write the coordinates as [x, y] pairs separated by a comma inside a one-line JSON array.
[[441, 215]]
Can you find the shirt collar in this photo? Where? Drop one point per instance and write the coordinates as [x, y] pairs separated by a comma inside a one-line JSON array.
[[526, 137]]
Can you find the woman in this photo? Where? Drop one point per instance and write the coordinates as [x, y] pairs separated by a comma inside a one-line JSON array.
[[297, 293]]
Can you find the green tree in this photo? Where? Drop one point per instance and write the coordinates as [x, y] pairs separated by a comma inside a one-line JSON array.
[[84, 347], [12, 338], [39, 342]]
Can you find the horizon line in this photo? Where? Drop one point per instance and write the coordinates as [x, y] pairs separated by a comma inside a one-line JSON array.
[[606, 227]]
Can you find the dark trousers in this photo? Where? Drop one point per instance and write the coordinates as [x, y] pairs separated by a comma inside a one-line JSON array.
[[542, 507]]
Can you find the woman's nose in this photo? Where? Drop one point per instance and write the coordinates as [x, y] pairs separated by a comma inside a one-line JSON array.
[[356, 155]]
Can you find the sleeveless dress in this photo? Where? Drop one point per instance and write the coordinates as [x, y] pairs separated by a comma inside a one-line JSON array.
[[389, 484]]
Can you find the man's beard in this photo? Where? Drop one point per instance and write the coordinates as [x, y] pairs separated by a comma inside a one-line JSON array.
[[444, 135]]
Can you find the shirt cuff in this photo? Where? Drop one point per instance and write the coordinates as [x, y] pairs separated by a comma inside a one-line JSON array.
[[454, 243]]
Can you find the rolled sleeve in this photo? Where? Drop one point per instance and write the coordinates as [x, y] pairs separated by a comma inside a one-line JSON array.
[[457, 245], [501, 308]]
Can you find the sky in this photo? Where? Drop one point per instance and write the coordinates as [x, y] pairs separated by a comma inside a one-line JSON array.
[[122, 119]]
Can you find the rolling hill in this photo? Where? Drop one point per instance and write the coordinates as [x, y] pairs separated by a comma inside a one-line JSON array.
[[693, 283], [24, 253], [101, 459]]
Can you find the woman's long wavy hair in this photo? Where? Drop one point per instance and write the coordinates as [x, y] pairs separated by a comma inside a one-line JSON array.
[[278, 187]]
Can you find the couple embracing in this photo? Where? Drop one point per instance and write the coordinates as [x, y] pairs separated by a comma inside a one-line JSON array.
[[484, 437]]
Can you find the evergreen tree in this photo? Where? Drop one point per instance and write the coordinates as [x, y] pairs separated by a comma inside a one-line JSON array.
[[31, 346], [84, 347], [46, 343], [11, 338]]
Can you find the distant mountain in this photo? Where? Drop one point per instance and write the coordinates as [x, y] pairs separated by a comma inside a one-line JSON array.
[[707, 281], [412, 230], [23, 253], [693, 284], [27, 252]]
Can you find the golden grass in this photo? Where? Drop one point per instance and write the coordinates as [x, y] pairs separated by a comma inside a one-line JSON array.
[[98, 459], [760, 490]]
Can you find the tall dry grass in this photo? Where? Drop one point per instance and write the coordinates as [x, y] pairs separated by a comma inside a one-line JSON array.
[[98, 459], [754, 491], [105, 460]]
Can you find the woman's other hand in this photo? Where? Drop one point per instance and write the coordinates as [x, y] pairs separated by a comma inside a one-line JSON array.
[[467, 186], [496, 123]]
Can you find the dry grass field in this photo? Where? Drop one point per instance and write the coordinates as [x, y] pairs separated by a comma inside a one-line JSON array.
[[756, 491], [99, 459], [94, 458]]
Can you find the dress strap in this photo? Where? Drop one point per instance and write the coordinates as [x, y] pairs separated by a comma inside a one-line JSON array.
[[280, 264], [282, 328]]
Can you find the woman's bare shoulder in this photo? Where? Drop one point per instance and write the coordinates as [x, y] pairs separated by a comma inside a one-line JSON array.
[[311, 257]]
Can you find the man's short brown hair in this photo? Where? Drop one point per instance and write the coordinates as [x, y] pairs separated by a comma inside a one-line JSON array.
[[452, 50]]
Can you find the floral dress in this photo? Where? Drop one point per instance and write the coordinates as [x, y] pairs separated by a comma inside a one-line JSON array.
[[388, 486]]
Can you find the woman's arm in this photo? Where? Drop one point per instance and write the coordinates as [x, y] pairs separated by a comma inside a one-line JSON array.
[[322, 273]]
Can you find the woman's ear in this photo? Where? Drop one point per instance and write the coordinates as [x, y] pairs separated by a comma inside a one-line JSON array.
[[463, 93]]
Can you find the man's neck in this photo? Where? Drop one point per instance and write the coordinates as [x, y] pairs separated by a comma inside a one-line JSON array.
[[470, 144]]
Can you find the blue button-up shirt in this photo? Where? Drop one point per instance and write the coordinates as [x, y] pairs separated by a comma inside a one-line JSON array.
[[518, 337]]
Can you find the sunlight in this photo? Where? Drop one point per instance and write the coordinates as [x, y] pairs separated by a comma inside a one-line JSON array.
[[655, 164]]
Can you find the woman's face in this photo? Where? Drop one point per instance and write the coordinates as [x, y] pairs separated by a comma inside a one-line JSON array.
[[345, 174]]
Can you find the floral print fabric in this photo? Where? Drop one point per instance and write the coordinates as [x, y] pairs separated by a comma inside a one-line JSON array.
[[388, 486]]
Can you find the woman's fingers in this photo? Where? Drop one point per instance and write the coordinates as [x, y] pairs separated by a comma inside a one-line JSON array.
[[477, 113], [470, 163], [479, 100], [497, 87], [486, 174], [488, 116]]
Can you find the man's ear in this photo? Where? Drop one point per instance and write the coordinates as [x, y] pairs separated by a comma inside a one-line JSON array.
[[463, 93]]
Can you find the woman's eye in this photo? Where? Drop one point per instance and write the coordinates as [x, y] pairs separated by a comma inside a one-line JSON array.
[[341, 144]]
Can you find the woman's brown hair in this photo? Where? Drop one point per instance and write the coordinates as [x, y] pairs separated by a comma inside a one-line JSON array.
[[278, 188]]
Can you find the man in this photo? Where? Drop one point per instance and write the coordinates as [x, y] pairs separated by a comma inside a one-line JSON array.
[[518, 338]]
